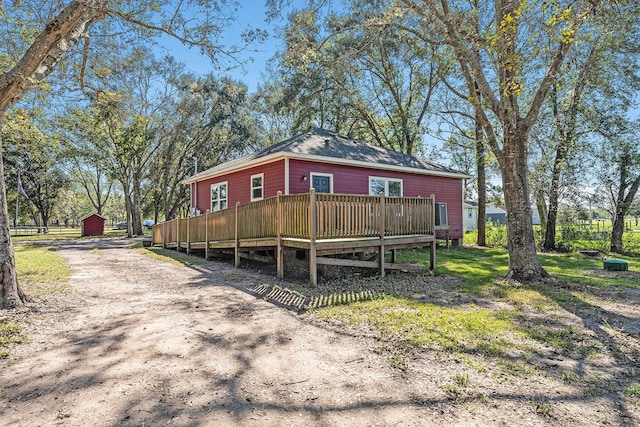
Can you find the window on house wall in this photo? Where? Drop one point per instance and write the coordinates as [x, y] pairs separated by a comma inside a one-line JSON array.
[[257, 187], [219, 196], [391, 187], [322, 182]]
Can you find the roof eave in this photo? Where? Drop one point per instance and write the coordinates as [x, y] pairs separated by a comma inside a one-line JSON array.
[[322, 159]]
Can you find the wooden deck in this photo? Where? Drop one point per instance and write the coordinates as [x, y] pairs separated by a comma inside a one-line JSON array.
[[325, 226]]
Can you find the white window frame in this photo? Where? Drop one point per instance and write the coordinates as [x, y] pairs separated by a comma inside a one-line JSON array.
[[226, 199], [327, 175], [386, 185], [261, 176]]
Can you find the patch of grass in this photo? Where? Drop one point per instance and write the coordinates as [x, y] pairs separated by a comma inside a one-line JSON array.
[[411, 324], [578, 269], [568, 376], [477, 267], [40, 269], [461, 380], [633, 389], [530, 297], [173, 257], [541, 408], [10, 333]]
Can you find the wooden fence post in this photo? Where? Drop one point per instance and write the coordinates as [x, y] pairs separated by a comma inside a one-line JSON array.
[[279, 254], [206, 235], [237, 244], [432, 248], [177, 234], [313, 230], [164, 234], [188, 236], [381, 225]]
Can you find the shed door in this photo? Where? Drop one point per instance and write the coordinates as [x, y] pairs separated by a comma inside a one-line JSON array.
[[322, 184]]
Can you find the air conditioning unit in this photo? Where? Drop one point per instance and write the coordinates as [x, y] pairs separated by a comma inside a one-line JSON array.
[[441, 214]]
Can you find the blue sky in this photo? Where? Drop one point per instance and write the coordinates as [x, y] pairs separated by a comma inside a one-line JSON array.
[[252, 13]]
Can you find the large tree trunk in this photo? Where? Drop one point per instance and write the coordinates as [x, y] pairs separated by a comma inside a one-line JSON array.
[[136, 223], [482, 185], [617, 231], [523, 259], [541, 204], [552, 214], [11, 294]]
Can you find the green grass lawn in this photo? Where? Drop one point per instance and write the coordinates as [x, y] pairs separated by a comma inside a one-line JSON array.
[[40, 269], [68, 234], [506, 319], [479, 267]]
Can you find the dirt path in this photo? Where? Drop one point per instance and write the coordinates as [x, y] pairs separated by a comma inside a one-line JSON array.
[[138, 341]]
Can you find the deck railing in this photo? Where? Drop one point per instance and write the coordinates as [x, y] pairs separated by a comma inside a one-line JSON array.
[[305, 216]]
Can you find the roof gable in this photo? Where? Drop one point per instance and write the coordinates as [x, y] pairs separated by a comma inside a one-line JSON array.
[[92, 214]]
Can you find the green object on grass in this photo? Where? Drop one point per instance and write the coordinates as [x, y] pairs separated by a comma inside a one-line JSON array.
[[616, 265]]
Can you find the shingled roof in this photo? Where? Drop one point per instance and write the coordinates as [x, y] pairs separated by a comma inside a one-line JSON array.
[[323, 145]]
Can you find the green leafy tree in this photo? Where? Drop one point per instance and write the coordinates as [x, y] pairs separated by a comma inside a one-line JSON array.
[[33, 155], [41, 36], [209, 120], [617, 166], [511, 54]]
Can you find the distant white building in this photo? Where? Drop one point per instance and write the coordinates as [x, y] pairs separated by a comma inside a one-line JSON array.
[[492, 214]]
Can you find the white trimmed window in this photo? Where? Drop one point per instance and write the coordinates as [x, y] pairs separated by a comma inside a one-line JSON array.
[[391, 187], [257, 187], [321, 182], [219, 196]]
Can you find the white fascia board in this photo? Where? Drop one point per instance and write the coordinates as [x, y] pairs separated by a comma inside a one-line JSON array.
[[235, 168], [362, 164]]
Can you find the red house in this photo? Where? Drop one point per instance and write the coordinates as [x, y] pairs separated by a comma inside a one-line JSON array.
[[92, 225], [329, 163]]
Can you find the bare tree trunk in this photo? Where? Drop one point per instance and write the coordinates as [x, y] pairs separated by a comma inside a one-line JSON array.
[[617, 232], [482, 185], [552, 214], [11, 294], [542, 209], [523, 259], [136, 223]]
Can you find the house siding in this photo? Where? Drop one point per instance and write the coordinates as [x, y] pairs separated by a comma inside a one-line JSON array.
[[239, 184], [355, 180]]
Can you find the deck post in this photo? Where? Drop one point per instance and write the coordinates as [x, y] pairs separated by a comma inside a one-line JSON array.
[[177, 234], [206, 235], [237, 244], [164, 234], [432, 248], [381, 224], [188, 236], [279, 253], [313, 231]]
